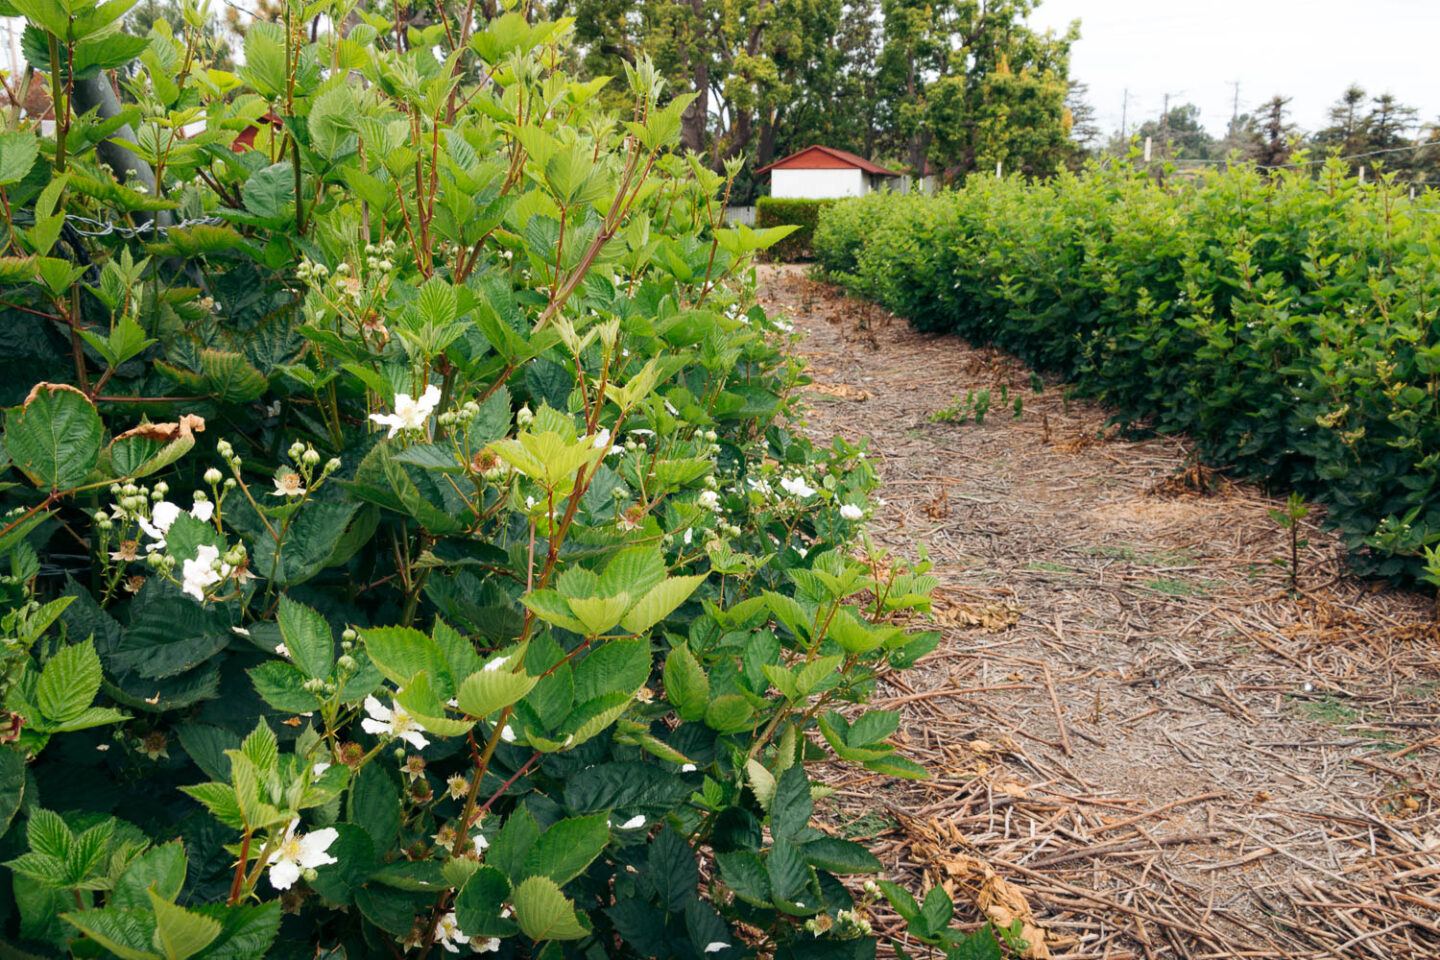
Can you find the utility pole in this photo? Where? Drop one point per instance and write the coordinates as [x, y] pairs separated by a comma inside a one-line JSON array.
[[1235, 110], [1124, 107], [1165, 125]]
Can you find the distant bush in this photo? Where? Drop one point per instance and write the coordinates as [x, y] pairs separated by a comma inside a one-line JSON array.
[[1287, 323], [784, 211]]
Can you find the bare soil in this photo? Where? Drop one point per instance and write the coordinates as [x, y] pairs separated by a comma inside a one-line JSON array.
[[1144, 743]]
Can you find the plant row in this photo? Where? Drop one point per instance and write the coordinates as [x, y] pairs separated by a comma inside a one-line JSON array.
[[1286, 322]]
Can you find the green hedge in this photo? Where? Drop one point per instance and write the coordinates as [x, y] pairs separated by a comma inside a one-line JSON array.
[[784, 211], [1287, 323]]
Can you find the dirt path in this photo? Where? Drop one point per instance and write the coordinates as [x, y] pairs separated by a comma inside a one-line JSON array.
[[1131, 718]]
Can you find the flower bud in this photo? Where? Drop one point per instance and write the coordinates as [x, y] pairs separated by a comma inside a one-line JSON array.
[[347, 664], [310, 457], [212, 476], [524, 417], [297, 450], [230, 483], [309, 873], [349, 636]]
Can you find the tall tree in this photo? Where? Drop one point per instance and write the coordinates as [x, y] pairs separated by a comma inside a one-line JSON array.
[[1276, 132], [1180, 134]]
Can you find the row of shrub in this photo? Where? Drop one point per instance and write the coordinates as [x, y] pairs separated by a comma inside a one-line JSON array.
[[802, 213], [1286, 321]]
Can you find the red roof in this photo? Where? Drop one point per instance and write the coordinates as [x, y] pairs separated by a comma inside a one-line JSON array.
[[816, 157]]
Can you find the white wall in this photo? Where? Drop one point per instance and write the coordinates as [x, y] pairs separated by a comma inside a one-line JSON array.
[[817, 184]]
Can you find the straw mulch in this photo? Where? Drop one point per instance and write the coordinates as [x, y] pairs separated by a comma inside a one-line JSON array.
[[1143, 743]]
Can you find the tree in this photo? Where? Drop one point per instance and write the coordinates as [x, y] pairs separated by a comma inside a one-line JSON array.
[[1180, 133], [1275, 133], [980, 84], [1349, 131], [1085, 129]]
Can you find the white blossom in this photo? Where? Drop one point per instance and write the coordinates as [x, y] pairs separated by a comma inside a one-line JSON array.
[[602, 439], [634, 823], [687, 768], [448, 933], [715, 946], [493, 944], [410, 414], [281, 649], [851, 512], [163, 515], [299, 852], [507, 733], [797, 486], [394, 722], [709, 499], [203, 571]]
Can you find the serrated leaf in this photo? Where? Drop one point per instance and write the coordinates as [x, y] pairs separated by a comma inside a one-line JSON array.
[[544, 913], [180, 933], [659, 602], [18, 151], [564, 850], [486, 691], [55, 437], [308, 638], [68, 683], [686, 684]]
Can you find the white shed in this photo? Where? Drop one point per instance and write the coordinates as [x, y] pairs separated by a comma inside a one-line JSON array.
[[817, 173]]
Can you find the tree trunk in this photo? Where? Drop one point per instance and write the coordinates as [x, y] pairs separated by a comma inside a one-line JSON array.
[[765, 149]]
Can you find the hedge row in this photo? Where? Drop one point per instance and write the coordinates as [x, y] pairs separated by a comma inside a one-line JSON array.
[[1287, 323], [784, 211]]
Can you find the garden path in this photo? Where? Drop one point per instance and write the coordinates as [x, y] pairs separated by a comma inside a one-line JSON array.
[[1138, 733]]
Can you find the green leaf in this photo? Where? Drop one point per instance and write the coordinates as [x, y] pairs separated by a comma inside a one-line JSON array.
[[840, 856], [745, 873], [402, 652], [246, 931], [486, 691], [897, 766], [126, 933], [729, 713], [308, 638], [231, 377], [219, 799], [354, 852], [510, 848], [12, 786], [659, 602], [270, 193], [686, 684], [618, 666], [375, 805], [788, 871], [162, 868], [564, 851], [672, 869], [480, 902], [68, 683], [180, 933], [55, 437], [282, 686], [48, 834], [261, 748], [17, 155], [544, 913], [791, 811]]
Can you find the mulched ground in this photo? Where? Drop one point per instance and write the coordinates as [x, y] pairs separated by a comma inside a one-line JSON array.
[[1143, 742]]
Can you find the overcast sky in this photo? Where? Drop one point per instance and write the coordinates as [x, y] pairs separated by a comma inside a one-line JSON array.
[[1306, 49]]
